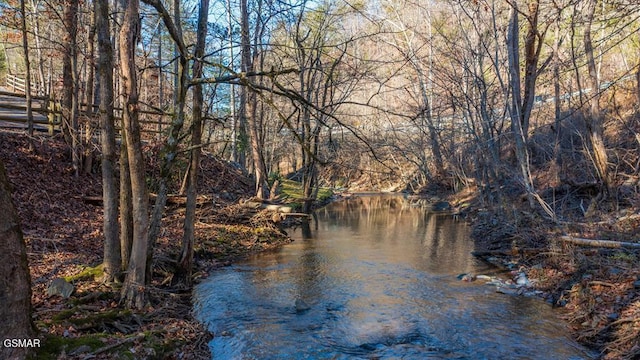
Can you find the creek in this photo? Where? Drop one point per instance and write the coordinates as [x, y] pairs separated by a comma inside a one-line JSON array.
[[374, 277]]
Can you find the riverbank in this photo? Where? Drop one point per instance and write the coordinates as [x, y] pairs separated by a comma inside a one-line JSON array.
[[62, 223], [597, 283]]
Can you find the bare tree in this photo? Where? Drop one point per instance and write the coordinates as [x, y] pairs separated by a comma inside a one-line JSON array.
[[185, 261], [594, 121], [248, 56], [133, 291], [112, 253], [70, 98], [27, 65]]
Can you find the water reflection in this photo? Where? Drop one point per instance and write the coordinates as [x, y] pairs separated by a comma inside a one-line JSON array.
[[377, 278]]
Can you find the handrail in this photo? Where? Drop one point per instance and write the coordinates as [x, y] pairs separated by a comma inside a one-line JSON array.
[[19, 85]]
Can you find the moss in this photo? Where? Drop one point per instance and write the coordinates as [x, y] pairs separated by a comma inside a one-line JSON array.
[[100, 318], [89, 273], [292, 190], [52, 346], [63, 315]]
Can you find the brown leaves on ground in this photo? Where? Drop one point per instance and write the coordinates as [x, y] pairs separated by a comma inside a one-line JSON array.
[[64, 236]]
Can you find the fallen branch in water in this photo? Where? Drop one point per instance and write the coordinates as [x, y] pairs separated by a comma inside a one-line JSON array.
[[600, 243]]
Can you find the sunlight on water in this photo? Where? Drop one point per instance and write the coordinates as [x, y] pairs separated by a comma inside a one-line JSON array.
[[374, 278]]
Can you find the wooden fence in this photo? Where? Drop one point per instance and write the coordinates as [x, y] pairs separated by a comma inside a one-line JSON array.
[[48, 111]]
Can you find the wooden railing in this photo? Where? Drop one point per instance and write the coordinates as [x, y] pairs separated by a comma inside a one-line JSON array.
[[50, 109], [16, 84]]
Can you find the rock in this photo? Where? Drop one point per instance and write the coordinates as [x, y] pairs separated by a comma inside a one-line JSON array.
[[507, 291], [466, 277], [301, 306], [522, 279], [60, 287]]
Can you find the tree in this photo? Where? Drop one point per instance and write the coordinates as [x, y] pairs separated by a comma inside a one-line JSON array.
[[27, 65], [133, 291], [170, 148], [70, 99], [249, 101], [112, 252], [185, 261], [15, 281], [522, 99], [594, 121]]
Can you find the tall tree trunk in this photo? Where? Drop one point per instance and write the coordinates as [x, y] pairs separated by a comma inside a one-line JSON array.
[[126, 206], [532, 48], [70, 81], [250, 56], [15, 281], [89, 96], [42, 88], [232, 91], [520, 139], [133, 291], [594, 121], [170, 150], [112, 254], [27, 65], [185, 262]]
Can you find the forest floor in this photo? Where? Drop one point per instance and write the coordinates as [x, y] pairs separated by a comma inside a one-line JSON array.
[[62, 224], [597, 284]]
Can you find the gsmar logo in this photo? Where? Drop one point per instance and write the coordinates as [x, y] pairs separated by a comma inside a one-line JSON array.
[[21, 343]]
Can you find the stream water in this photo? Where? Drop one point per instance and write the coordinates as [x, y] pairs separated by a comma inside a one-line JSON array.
[[374, 278]]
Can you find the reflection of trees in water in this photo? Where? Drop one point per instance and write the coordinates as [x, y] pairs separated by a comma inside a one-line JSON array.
[[367, 210], [392, 220]]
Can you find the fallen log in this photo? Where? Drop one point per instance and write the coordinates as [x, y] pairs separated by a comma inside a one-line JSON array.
[[600, 243], [295, 214], [171, 199]]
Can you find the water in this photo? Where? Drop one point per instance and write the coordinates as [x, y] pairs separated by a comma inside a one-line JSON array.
[[374, 278]]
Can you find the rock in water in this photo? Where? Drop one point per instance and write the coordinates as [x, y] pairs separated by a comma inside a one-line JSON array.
[[60, 287], [466, 277], [522, 279], [301, 306]]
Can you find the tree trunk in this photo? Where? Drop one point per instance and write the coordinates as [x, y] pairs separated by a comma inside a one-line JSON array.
[[70, 81], [15, 282], [520, 139], [112, 254], [250, 110], [42, 88], [133, 291], [532, 48], [594, 121], [170, 149], [185, 262], [27, 65], [126, 206]]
